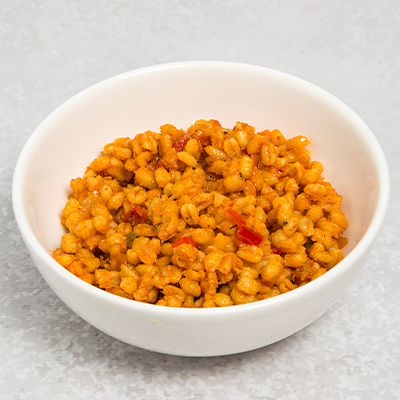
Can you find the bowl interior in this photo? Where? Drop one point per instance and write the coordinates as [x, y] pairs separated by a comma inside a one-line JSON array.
[[66, 142]]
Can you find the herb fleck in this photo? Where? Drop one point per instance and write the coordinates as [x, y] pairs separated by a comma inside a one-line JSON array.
[[129, 239]]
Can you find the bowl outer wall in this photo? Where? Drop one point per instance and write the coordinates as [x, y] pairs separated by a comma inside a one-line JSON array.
[[198, 333], [241, 324]]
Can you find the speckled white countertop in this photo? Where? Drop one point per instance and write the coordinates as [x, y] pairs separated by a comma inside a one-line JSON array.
[[50, 50]]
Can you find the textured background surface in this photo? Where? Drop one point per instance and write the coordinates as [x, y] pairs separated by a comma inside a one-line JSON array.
[[51, 50]]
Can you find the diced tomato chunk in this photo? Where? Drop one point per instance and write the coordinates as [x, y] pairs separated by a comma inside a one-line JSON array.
[[128, 215], [138, 214], [181, 143], [204, 141]]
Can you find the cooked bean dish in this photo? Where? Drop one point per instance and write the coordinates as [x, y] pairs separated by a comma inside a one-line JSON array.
[[207, 217]]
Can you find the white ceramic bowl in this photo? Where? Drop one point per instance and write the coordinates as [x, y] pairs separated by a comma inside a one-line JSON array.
[[74, 134]]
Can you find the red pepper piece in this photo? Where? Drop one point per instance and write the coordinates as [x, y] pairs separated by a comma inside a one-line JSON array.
[[237, 218], [184, 240], [247, 236]]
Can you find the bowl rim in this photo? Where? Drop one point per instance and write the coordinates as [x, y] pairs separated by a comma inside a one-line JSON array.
[[296, 295]]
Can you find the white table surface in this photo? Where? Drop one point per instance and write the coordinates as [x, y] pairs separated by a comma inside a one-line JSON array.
[[50, 50]]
